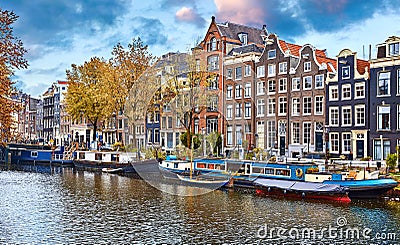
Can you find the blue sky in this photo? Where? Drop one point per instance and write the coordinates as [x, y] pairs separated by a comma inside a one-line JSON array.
[[64, 32]]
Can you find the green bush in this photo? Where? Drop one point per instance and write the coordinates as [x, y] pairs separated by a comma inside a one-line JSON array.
[[391, 161]]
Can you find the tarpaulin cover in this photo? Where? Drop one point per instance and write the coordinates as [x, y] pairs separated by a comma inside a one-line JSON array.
[[299, 186]]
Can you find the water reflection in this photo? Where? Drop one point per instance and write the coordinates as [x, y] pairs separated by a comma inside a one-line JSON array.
[[84, 207]]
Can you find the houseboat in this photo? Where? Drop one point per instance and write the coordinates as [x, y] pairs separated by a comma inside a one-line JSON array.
[[106, 161]]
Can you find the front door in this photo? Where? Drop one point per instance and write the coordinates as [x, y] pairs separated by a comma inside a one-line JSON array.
[[360, 148], [318, 141], [282, 147]]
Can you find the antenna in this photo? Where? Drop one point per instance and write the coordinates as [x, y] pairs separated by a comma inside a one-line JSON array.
[[363, 52], [370, 50]]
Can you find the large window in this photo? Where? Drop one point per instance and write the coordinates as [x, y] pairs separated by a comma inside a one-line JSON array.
[[282, 85], [238, 73], [319, 105], [319, 81], [360, 115], [383, 117], [296, 133], [346, 92], [283, 67], [238, 91], [384, 83], [271, 70], [271, 133], [260, 107], [378, 149], [296, 84], [271, 86], [334, 142], [307, 133], [307, 82], [247, 70], [334, 116], [282, 105], [229, 110], [238, 134], [271, 106], [238, 111], [359, 90], [394, 49], [212, 125], [307, 105], [260, 71], [247, 110], [295, 106], [346, 146], [346, 116], [333, 93], [247, 90], [229, 134], [213, 63], [260, 88], [229, 90], [272, 54]]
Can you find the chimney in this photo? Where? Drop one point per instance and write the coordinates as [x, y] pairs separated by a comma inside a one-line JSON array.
[[213, 18]]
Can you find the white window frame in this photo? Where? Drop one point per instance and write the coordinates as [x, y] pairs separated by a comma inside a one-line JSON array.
[[380, 120], [304, 82], [356, 116], [229, 92], [331, 142], [282, 86], [331, 109], [388, 84], [271, 109], [274, 87], [247, 70], [307, 66], [283, 68], [331, 88], [229, 73], [260, 107], [238, 110], [271, 54], [296, 107], [271, 70], [282, 104], [359, 87], [347, 134], [260, 88], [260, 71], [247, 110], [238, 91], [229, 112], [296, 85], [398, 117], [345, 69], [295, 133], [398, 82], [319, 78], [347, 108], [345, 87], [319, 99], [236, 73], [307, 104], [247, 90]]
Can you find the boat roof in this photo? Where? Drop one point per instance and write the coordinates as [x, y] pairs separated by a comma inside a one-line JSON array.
[[299, 185]]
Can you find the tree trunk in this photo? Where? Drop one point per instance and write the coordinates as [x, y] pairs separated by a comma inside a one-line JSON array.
[[94, 130]]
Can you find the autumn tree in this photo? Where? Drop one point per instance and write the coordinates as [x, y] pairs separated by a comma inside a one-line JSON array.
[[12, 54], [89, 95], [131, 89]]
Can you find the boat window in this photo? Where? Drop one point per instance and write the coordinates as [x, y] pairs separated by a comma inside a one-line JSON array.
[[115, 157], [269, 171], [34, 153], [98, 156], [201, 165], [283, 172], [176, 165], [211, 166], [81, 155], [257, 170]]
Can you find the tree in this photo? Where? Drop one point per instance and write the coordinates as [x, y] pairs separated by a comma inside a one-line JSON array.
[[89, 95], [391, 161], [131, 91], [215, 141], [196, 140], [12, 54]]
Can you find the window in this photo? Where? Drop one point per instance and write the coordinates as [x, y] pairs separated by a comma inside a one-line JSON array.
[[282, 67], [212, 103], [247, 90], [238, 112], [346, 137], [295, 106], [296, 84], [319, 81], [238, 91], [229, 134], [271, 86], [307, 105], [282, 105], [346, 116], [398, 82], [213, 83], [271, 133], [378, 149], [213, 63], [334, 116], [333, 93], [319, 105], [229, 73], [346, 72], [229, 89], [360, 115], [238, 134], [394, 49], [307, 82], [307, 133], [383, 83], [334, 142], [271, 70], [229, 111], [169, 122], [247, 70], [243, 38], [260, 88], [398, 117], [272, 54], [247, 110], [260, 107], [296, 133], [271, 106], [238, 73], [359, 90], [213, 44], [282, 85], [307, 66], [197, 65], [260, 71], [178, 121], [383, 117], [346, 92]]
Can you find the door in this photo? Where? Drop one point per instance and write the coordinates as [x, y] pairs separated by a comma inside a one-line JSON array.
[[360, 148], [282, 146], [318, 141]]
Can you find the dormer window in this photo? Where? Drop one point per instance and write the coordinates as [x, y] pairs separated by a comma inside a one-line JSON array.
[[394, 49], [213, 44], [243, 38]]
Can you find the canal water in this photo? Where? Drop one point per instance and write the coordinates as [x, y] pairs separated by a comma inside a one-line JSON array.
[[66, 207]]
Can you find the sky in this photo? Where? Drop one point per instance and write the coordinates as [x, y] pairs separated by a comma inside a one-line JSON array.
[[58, 33]]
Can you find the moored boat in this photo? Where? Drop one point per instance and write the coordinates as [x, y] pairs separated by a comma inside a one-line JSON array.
[[99, 160]]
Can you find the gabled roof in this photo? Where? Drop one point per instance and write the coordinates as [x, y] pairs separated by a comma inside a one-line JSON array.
[[361, 64], [330, 63], [231, 30], [246, 49], [294, 49]]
